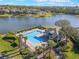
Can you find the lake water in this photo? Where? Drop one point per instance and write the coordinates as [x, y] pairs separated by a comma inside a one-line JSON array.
[[13, 24]]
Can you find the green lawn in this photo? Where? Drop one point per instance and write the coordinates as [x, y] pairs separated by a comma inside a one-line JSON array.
[[5, 15], [51, 26], [5, 47], [47, 14], [71, 54]]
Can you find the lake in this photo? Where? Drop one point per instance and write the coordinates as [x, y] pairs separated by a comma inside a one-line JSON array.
[[13, 24]]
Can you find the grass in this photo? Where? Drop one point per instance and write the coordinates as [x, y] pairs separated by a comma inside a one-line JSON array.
[[38, 15], [51, 26], [4, 45], [71, 54], [9, 50], [5, 15], [43, 15]]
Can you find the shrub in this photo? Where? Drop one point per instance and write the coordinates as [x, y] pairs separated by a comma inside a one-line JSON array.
[[14, 44]]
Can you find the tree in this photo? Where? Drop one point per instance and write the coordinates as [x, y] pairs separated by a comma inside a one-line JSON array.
[[69, 31], [39, 50], [51, 44], [22, 44], [26, 54], [62, 23]]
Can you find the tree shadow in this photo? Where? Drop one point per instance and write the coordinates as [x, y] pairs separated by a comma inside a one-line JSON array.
[[76, 48], [14, 45], [11, 54], [14, 55], [9, 39], [8, 50]]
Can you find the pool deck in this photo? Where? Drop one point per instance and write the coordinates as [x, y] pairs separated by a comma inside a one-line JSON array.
[[24, 32], [40, 44], [32, 47], [29, 44]]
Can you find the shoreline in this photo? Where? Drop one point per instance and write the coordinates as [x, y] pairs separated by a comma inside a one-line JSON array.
[[31, 15], [24, 30], [42, 15], [6, 15]]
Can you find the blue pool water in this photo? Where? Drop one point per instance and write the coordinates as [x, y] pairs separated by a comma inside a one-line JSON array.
[[32, 37]]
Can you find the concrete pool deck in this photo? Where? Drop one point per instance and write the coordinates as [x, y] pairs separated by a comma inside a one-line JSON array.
[[31, 47], [35, 36], [28, 43], [24, 32]]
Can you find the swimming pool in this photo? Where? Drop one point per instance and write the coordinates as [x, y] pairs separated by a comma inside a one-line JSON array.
[[32, 37]]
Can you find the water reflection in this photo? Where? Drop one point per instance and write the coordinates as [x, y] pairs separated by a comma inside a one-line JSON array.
[[18, 23]]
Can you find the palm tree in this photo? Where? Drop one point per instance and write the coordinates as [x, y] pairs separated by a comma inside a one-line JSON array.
[[20, 43], [39, 50], [51, 44], [25, 39]]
